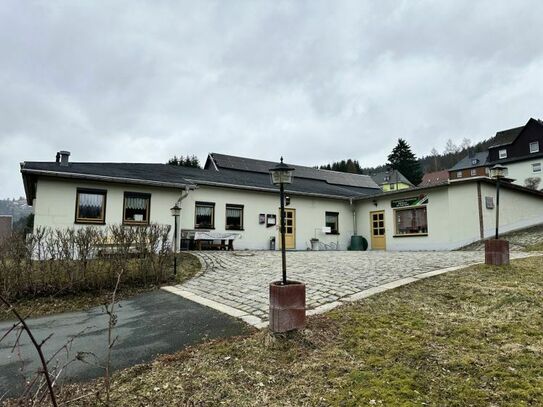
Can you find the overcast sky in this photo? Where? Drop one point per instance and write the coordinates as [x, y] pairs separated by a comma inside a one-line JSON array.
[[314, 81]]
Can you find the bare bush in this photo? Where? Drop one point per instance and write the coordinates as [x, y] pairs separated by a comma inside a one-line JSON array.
[[84, 259]]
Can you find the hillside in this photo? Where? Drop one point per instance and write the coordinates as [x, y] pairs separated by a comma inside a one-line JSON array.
[[436, 162], [15, 207]]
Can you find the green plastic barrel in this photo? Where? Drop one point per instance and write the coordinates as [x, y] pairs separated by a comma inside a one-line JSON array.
[[358, 243]]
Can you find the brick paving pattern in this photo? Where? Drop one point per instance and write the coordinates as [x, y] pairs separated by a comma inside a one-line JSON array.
[[240, 279]]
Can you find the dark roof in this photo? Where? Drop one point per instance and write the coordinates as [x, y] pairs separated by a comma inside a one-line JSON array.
[[471, 161], [484, 180], [380, 177], [229, 162], [164, 175], [435, 178], [506, 137]]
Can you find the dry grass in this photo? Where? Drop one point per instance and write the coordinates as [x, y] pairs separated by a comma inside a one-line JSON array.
[[468, 338], [66, 301]]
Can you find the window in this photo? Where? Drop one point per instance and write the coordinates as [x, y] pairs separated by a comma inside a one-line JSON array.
[[90, 206], [475, 161], [473, 172], [411, 221], [234, 217], [459, 174], [536, 167], [534, 147], [502, 153], [332, 222], [392, 186], [387, 178], [136, 208], [205, 215]]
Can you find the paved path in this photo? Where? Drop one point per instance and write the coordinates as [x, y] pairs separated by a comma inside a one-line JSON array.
[[148, 324], [237, 282]]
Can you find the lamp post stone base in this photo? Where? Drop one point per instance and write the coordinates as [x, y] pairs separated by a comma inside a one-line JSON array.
[[496, 252], [287, 306]]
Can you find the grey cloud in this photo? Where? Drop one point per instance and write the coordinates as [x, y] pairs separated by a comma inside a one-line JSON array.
[[313, 80]]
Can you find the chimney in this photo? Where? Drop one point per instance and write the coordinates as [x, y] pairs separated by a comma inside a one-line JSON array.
[[471, 152], [63, 158]]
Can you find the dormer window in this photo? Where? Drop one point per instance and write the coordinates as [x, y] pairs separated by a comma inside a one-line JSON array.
[[387, 178], [475, 161], [502, 153], [534, 147]]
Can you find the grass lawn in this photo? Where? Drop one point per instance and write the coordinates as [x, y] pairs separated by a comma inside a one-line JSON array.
[[188, 266], [469, 337]]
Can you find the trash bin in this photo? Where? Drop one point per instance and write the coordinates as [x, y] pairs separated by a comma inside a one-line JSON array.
[[272, 243], [358, 243], [314, 244]]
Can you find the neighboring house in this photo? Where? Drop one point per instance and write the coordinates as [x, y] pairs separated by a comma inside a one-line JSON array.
[[520, 149], [6, 226], [435, 178], [472, 165], [391, 180], [235, 196]]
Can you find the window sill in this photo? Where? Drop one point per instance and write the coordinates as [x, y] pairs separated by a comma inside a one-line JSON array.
[[411, 235], [333, 234], [129, 223], [235, 229], [89, 222], [203, 228]]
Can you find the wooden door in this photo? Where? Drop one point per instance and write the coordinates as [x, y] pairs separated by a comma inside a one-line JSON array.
[[377, 226], [290, 229]]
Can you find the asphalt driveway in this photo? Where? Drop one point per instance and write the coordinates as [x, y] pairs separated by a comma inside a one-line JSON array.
[[148, 324]]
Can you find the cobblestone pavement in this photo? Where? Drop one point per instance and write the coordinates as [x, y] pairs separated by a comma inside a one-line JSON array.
[[240, 280]]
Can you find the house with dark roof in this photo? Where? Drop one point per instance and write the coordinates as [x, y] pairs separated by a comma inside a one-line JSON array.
[[391, 180], [520, 149], [233, 199]]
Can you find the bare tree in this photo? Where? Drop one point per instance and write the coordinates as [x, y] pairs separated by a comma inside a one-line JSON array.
[[532, 182], [38, 346]]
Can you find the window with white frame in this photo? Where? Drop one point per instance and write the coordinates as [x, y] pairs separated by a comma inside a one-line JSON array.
[[502, 153], [473, 172], [459, 174], [534, 147], [205, 215], [234, 217], [536, 167]]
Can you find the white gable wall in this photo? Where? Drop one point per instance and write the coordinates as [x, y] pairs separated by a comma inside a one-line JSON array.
[[517, 210]]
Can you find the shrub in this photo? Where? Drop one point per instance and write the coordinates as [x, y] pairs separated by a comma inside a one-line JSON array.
[[50, 261]]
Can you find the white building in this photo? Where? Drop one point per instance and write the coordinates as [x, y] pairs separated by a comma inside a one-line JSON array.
[[233, 196]]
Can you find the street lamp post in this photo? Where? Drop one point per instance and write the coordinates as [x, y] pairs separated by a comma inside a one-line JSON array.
[[497, 250], [175, 211], [287, 298], [497, 172], [281, 174]]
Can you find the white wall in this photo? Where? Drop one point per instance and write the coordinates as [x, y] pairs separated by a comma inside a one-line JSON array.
[[522, 170], [453, 216], [55, 207], [439, 233], [517, 210], [310, 215]]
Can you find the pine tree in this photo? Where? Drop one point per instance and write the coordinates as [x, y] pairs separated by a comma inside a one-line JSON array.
[[403, 160], [185, 161]]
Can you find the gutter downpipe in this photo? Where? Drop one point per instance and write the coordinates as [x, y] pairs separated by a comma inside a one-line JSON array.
[[354, 216], [183, 195]]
